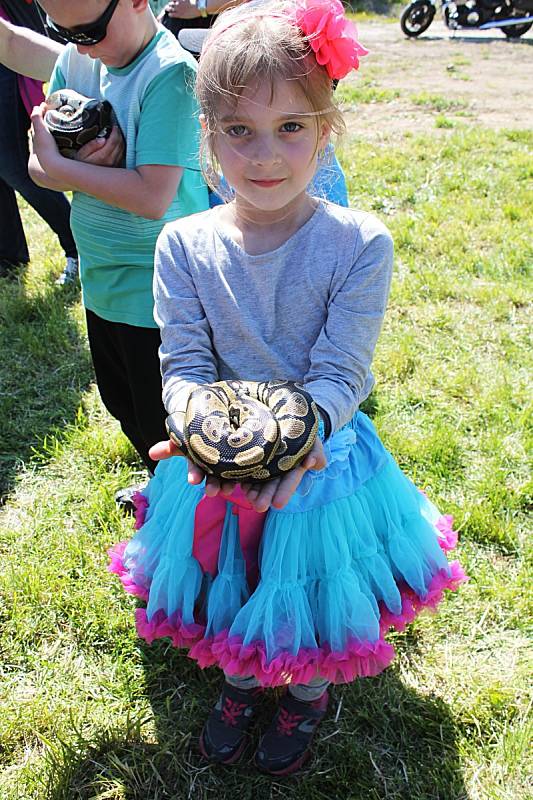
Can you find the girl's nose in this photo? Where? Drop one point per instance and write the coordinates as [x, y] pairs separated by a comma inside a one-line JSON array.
[[83, 50], [264, 151]]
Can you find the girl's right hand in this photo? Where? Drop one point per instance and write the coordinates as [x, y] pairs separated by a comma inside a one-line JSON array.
[[195, 475], [163, 450]]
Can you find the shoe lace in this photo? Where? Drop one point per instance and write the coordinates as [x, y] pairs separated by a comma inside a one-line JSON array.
[[287, 722], [232, 710]]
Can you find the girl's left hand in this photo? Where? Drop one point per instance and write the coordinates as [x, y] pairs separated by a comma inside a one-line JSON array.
[[43, 143], [279, 491]]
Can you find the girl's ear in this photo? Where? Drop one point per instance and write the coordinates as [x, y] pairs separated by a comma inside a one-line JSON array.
[[203, 122], [325, 133]]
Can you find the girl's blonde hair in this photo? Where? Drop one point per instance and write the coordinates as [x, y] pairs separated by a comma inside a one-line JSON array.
[[258, 43]]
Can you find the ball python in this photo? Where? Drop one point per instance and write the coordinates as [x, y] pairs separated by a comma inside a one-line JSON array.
[[246, 430], [73, 120]]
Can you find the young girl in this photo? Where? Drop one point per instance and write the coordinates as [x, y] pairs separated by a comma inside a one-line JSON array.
[[296, 581]]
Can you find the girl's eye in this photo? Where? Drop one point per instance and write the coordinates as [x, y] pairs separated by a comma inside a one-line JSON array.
[[237, 130], [291, 127]]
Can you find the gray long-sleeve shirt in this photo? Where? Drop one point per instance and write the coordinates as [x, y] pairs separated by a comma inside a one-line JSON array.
[[309, 311]]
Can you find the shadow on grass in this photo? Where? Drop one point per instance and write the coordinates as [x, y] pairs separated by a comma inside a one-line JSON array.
[[380, 741], [44, 370]]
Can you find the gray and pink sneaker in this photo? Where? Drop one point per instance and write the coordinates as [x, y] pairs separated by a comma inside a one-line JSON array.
[[285, 746], [225, 734]]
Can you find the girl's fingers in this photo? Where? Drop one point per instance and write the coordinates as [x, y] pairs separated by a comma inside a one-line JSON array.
[[194, 474], [261, 498], [212, 485], [162, 450], [288, 486]]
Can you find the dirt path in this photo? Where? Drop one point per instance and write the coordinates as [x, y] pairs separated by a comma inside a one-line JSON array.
[[486, 76]]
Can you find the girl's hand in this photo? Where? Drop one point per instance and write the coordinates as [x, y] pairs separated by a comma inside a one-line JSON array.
[[163, 450], [195, 475], [279, 491], [261, 496], [104, 152], [42, 141]]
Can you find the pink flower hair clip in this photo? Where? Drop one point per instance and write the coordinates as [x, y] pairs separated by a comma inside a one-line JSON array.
[[332, 37]]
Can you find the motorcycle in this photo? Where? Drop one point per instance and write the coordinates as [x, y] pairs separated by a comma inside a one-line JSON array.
[[513, 17]]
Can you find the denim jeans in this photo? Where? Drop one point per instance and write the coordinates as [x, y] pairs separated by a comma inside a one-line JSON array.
[[53, 207]]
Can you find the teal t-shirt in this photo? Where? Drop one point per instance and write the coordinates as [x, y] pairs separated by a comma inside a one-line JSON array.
[[153, 99]]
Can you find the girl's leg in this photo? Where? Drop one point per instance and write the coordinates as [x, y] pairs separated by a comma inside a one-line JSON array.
[[285, 746], [225, 734]]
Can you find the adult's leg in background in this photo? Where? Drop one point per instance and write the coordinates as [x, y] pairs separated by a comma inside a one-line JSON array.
[[13, 246], [126, 363], [53, 207]]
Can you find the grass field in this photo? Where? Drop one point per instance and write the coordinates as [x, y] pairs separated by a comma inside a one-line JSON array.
[[89, 712]]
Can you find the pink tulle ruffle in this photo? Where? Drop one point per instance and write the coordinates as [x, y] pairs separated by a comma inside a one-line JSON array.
[[358, 659], [141, 504], [116, 565], [448, 537]]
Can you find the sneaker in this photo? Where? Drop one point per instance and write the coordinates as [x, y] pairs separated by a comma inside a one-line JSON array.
[[285, 746], [225, 734], [124, 498], [70, 272]]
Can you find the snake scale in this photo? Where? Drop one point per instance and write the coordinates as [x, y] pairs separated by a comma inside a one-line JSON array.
[[246, 430], [73, 120]]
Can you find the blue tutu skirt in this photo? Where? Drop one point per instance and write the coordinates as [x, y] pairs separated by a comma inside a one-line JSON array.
[[289, 594]]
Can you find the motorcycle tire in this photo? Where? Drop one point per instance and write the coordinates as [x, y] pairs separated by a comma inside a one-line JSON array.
[[417, 17], [515, 31]]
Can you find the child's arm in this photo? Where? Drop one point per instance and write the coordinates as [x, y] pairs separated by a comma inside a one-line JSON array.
[[146, 190], [341, 357], [166, 143], [188, 359], [26, 52]]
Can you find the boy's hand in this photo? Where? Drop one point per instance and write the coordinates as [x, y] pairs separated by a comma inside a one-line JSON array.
[[104, 152], [182, 9], [279, 491], [43, 143]]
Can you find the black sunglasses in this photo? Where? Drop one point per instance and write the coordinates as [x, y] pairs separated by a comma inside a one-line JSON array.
[[85, 34]]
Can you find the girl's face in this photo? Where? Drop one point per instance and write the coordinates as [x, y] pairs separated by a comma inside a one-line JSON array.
[[267, 146]]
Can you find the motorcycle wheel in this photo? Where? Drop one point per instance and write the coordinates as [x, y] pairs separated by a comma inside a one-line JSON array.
[[417, 17], [515, 31]]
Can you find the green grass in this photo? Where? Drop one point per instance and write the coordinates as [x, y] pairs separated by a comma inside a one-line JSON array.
[[89, 712], [366, 91], [437, 102]]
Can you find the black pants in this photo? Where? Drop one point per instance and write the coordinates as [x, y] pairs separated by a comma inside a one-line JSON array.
[[53, 207], [126, 364]]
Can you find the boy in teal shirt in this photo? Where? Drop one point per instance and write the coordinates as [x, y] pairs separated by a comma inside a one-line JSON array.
[[124, 189]]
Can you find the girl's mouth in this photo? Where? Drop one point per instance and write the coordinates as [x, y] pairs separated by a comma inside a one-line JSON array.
[[268, 183]]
